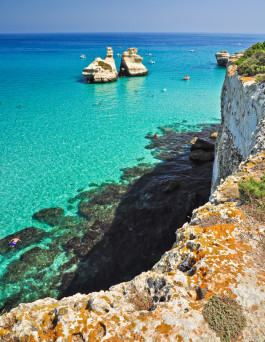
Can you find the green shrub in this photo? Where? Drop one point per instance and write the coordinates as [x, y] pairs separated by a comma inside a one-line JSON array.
[[253, 61], [252, 190], [225, 317]]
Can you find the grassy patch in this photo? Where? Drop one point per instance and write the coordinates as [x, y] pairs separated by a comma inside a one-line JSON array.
[[253, 62], [225, 317], [140, 300], [252, 192]]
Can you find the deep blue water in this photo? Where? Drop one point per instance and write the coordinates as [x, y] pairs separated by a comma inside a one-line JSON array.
[[56, 138]]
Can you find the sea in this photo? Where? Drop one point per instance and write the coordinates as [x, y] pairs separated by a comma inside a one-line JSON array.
[[59, 134]]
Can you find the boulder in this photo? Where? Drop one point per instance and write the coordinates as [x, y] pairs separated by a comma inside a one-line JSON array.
[[202, 156], [201, 144], [131, 64], [222, 57], [102, 71], [214, 135]]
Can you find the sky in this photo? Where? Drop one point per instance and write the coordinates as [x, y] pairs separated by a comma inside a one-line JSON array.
[[226, 16]]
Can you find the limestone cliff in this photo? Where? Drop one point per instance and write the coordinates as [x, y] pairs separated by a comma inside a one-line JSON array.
[[243, 122]]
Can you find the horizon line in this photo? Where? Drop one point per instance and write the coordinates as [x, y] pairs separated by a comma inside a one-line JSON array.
[[137, 32]]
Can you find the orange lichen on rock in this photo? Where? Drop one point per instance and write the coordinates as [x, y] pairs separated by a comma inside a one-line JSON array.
[[247, 79]]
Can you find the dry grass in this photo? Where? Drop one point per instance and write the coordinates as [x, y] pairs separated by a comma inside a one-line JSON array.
[[212, 221], [140, 300], [230, 192], [225, 317]]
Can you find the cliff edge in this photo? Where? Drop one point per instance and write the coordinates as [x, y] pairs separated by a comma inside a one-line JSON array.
[[243, 121]]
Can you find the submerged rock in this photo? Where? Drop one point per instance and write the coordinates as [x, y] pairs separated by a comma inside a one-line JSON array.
[[102, 71], [50, 216], [222, 57], [27, 236], [131, 64], [32, 261]]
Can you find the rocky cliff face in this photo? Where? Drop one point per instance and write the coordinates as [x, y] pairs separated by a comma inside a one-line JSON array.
[[243, 122]]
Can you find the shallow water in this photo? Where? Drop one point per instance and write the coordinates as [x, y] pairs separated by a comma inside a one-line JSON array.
[[56, 138]]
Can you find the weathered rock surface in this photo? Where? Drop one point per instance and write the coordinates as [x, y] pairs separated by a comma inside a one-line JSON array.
[[243, 122], [222, 57], [102, 71], [219, 252], [131, 64]]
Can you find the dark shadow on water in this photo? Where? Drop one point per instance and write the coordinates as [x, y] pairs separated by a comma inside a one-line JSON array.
[[146, 219]]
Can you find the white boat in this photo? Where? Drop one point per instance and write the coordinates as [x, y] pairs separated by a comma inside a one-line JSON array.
[[149, 54], [118, 54], [164, 89], [83, 56], [192, 50], [238, 44], [152, 62]]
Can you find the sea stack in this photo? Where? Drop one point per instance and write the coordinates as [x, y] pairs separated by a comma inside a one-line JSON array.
[[102, 71], [222, 57], [131, 64]]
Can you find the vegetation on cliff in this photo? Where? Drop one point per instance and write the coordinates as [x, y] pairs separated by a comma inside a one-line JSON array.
[[252, 192], [253, 62], [225, 317]]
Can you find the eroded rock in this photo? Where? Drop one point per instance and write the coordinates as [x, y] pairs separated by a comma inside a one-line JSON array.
[[222, 57], [102, 71], [131, 64]]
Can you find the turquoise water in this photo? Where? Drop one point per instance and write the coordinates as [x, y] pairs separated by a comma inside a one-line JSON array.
[[56, 138], [59, 140]]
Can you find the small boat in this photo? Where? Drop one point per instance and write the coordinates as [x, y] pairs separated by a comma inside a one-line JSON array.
[[118, 54], [164, 89], [83, 56], [119, 47], [192, 50], [152, 62], [186, 78], [149, 54], [238, 44]]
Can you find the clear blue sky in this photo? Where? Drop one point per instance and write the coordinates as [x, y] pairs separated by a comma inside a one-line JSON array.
[[226, 16]]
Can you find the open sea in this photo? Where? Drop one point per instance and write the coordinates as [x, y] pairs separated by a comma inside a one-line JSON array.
[[56, 138]]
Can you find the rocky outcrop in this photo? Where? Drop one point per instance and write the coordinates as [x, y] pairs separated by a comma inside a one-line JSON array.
[[201, 150], [131, 64], [243, 122], [220, 252], [102, 71], [222, 57]]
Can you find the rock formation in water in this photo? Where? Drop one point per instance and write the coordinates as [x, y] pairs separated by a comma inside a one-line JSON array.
[[243, 121], [131, 64], [102, 71], [222, 57]]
